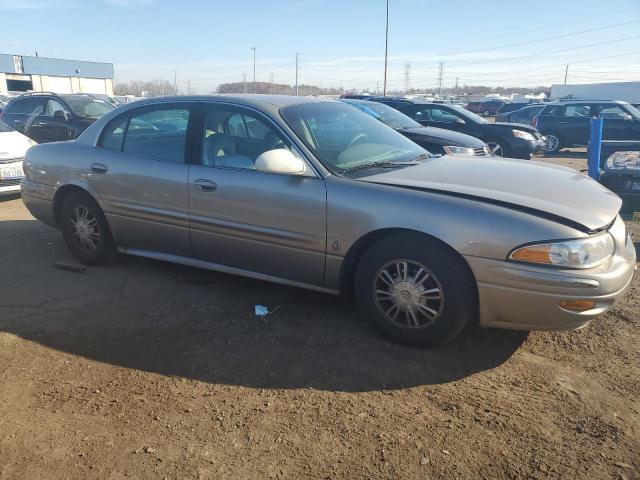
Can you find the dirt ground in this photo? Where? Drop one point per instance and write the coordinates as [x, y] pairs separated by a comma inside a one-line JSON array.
[[147, 370]]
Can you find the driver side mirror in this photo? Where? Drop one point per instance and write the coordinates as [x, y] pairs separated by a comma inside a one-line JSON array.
[[627, 117], [280, 161], [61, 114]]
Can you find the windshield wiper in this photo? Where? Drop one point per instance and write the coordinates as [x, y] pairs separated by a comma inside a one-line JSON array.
[[380, 165]]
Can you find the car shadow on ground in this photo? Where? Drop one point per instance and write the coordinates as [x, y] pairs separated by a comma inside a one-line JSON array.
[[180, 321]]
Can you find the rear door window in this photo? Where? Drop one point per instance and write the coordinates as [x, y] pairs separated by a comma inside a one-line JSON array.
[[159, 133], [578, 111], [27, 106]]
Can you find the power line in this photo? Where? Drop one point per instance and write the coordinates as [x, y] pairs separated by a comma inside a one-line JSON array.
[[597, 44], [529, 42]]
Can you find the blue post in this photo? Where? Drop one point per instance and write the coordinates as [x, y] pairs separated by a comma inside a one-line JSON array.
[[595, 148]]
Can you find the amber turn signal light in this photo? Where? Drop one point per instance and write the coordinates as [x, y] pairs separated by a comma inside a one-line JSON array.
[[578, 305]]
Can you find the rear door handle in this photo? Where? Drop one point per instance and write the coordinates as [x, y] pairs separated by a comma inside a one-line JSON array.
[[206, 185], [98, 168]]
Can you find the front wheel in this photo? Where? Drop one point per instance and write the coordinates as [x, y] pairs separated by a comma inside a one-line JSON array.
[[497, 149], [415, 290], [85, 229]]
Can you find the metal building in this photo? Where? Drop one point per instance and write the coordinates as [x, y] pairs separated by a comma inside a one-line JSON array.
[[20, 73]]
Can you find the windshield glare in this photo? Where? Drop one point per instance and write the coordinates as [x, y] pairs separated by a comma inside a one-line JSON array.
[[88, 107], [387, 115], [633, 111], [466, 113], [344, 138]]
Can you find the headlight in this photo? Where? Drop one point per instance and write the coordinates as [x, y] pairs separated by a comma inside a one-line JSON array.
[[523, 135], [579, 253], [453, 150], [624, 160]]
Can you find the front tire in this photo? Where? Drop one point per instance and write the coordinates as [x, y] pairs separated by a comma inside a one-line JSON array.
[[497, 148], [85, 229], [415, 290]]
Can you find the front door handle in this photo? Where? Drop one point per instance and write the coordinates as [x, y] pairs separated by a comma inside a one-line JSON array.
[[206, 185], [98, 168]]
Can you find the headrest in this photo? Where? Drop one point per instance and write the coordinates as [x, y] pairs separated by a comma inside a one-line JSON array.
[[220, 144]]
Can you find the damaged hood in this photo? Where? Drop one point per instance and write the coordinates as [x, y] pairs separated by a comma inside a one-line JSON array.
[[534, 187]]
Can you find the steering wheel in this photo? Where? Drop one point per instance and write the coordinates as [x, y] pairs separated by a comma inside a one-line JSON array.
[[360, 138]]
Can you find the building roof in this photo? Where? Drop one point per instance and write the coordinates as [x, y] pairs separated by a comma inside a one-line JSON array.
[[55, 67]]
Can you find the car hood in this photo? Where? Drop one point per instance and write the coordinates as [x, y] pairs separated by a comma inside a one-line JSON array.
[[441, 137], [549, 191], [13, 145], [511, 126]]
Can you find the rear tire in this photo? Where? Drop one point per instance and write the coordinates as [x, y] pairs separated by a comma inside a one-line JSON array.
[[85, 229], [553, 143], [415, 290]]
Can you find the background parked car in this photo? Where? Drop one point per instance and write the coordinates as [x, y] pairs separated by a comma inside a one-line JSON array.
[[13, 146], [508, 109], [49, 117], [486, 108], [504, 139], [567, 124], [435, 140], [524, 115]]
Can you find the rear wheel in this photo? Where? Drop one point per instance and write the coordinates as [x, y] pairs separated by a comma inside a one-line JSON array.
[[553, 143], [415, 290], [85, 229]]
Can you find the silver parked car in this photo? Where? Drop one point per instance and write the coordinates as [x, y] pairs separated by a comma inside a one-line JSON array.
[[317, 194]]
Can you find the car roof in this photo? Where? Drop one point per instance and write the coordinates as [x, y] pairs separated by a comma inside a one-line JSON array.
[[257, 100], [588, 100]]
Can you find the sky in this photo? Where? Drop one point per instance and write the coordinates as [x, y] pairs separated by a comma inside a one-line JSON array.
[[340, 42]]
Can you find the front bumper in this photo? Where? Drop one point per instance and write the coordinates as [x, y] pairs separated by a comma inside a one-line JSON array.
[[526, 297], [525, 148], [11, 184]]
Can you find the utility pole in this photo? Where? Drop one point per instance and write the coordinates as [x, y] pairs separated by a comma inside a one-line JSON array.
[[244, 83], [440, 77], [407, 74], [271, 78], [566, 72], [254, 69], [377, 87], [456, 85], [386, 51], [297, 55], [175, 82]]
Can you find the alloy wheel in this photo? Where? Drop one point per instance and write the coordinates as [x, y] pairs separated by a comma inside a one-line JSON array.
[[495, 149], [85, 229], [551, 143], [408, 294]]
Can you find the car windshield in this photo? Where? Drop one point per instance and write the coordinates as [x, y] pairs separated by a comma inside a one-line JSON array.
[[635, 113], [467, 114], [345, 139], [387, 115], [88, 107], [4, 128]]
